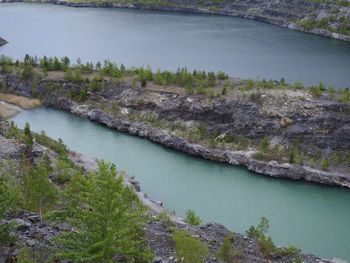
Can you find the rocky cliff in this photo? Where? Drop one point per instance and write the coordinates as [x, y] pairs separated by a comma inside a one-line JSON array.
[[279, 133], [328, 18]]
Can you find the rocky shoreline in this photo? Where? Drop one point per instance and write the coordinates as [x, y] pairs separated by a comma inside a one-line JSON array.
[[236, 158], [279, 16], [309, 118]]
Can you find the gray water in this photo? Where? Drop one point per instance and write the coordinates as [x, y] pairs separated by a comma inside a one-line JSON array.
[[242, 48], [311, 217]]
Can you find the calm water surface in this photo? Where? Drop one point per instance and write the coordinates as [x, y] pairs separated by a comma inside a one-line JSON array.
[[242, 48], [311, 217]]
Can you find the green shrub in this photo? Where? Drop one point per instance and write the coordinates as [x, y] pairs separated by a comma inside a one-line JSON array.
[[294, 156], [73, 75], [224, 91], [324, 164], [164, 218], [264, 145], [256, 97], [345, 96], [57, 146], [266, 245], [297, 85], [9, 198], [222, 75], [27, 72], [225, 251], [200, 89], [102, 197], [250, 84], [191, 218], [189, 249], [315, 91]]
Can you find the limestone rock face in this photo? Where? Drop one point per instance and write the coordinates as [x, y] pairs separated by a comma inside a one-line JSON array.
[[289, 117]]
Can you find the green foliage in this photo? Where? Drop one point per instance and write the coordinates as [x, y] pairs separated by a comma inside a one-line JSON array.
[[191, 218], [344, 96], [27, 72], [260, 231], [8, 201], [73, 75], [143, 83], [39, 195], [102, 197], [266, 245], [57, 146], [222, 75], [264, 145], [224, 91], [25, 256], [298, 259], [189, 249], [297, 85], [164, 218], [6, 64], [64, 171], [316, 91], [294, 155], [324, 164], [97, 84], [27, 136], [325, 23], [225, 251]]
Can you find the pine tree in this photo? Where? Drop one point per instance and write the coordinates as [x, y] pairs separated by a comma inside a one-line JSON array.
[[225, 252], [39, 194], [28, 137], [108, 217], [191, 218], [8, 201]]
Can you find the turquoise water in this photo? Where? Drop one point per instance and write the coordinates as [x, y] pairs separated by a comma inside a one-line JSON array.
[[311, 217], [242, 48]]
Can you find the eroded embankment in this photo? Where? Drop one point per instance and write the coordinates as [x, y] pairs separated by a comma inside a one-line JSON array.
[[285, 134]]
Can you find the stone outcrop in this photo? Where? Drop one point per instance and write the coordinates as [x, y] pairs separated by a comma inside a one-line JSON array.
[[317, 125], [285, 13], [2, 41]]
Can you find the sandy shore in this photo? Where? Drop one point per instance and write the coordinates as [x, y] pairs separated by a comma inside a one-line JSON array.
[[10, 105]]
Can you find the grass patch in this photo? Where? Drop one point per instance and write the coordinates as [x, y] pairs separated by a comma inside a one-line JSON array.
[[20, 101]]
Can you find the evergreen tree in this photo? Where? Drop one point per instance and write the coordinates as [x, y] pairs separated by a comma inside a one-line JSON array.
[[39, 195], [191, 218], [108, 217], [28, 138], [225, 251], [8, 201]]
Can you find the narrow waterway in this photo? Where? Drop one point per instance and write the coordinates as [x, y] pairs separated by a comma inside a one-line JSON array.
[[240, 47], [311, 217]]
